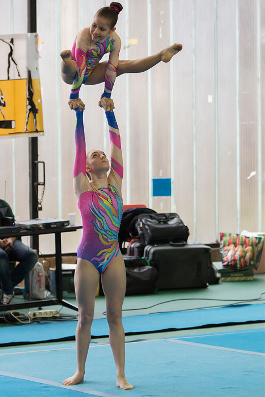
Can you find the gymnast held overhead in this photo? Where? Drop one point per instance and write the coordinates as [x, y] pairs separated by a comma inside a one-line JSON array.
[[82, 66], [97, 185]]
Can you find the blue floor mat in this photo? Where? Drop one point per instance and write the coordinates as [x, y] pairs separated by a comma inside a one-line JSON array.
[[248, 340], [25, 387], [170, 367], [63, 330]]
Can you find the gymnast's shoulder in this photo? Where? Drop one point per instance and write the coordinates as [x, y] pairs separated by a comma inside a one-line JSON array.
[[115, 38], [83, 39]]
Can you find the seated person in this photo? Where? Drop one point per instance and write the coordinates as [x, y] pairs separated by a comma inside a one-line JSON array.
[[13, 250]]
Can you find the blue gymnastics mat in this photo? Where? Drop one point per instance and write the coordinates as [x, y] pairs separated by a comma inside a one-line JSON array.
[[199, 365], [133, 325]]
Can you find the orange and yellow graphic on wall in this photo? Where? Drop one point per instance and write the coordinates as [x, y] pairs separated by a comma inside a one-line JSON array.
[[20, 89]]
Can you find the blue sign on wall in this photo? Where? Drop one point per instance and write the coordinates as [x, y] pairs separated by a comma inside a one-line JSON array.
[[161, 187]]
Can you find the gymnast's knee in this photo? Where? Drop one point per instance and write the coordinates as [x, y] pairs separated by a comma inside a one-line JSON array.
[[114, 316], [85, 319]]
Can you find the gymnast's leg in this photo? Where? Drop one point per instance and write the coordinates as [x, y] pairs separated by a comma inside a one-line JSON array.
[[86, 284], [114, 285], [68, 68]]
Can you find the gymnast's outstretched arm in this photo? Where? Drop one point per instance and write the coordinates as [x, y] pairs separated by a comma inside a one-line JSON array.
[[81, 183], [116, 173]]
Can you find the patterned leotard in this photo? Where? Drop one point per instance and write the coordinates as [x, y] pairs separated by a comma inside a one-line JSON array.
[[101, 211], [86, 63]]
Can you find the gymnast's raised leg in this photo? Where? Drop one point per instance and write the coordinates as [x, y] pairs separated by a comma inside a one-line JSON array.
[[69, 67]]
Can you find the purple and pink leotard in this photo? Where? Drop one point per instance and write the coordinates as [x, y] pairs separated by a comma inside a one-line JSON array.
[[86, 61], [101, 211]]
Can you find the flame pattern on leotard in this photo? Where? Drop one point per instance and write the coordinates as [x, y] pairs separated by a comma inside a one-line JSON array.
[[86, 61], [101, 210]]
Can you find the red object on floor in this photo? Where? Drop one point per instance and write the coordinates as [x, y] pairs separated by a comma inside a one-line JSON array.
[[130, 206]]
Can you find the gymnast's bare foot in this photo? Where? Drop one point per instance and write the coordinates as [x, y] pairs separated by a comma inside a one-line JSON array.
[[123, 384], [74, 380], [170, 51], [66, 54], [68, 67]]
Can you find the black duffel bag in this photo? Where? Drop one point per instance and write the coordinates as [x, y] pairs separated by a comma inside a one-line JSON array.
[[7, 220], [141, 278], [161, 228]]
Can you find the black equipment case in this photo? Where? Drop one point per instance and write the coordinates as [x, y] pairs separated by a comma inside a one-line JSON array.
[[161, 228], [141, 278], [135, 249], [180, 265]]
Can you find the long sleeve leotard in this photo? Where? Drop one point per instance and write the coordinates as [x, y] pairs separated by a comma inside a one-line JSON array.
[[100, 210], [86, 62]]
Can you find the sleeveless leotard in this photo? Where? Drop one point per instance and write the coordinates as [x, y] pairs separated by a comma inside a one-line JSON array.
[[101, 211]]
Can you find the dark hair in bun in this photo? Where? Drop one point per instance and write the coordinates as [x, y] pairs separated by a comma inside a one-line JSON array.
[[110, 13]]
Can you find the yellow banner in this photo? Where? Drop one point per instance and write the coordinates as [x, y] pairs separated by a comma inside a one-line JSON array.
[[20, 89]]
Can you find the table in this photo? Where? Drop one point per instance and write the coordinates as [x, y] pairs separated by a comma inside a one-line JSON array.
[[58, 300]]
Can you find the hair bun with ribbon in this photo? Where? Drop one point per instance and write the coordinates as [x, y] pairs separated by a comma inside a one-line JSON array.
[[116, 6]]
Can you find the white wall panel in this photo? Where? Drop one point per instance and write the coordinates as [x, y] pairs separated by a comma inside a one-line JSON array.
[[184, 114], [50, 143], [248, 116], [261, 40], [205, 119], [138, 106], [160, 101], [227, 116]]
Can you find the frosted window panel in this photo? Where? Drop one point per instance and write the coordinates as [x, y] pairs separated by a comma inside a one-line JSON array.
[[119, 95], [160, 100], [227, 117], [248, 90], [205, 121], [138, 177], [70, 25], [48, 23], [183, 69], [261, 41], [13, 16]]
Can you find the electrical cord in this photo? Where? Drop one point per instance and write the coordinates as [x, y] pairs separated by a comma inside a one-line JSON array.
[[16, 317], [203, 307], [236, 302]]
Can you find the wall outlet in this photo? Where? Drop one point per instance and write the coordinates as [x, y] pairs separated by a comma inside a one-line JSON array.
[[44, 314]]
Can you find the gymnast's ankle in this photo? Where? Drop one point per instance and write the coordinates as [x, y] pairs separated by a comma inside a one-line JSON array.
[[170, 51]]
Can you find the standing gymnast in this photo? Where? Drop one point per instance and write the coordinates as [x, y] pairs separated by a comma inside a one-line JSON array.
[[100, 203], [82, 66]]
